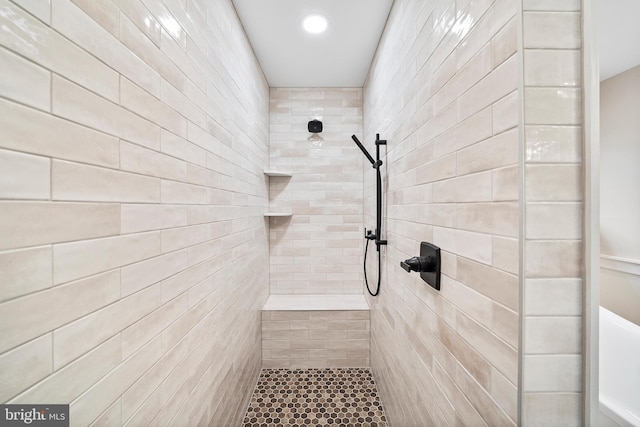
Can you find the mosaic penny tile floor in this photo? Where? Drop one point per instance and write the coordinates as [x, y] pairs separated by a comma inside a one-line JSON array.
[[345, 397]]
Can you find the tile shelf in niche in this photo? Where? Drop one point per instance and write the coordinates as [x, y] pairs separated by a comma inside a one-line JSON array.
[[277, 173], [274, 173]]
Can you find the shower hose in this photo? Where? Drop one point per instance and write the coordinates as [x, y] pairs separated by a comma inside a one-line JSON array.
[[366, 281]]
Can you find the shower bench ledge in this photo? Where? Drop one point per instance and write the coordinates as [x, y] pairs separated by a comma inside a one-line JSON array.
[[316, 302], [316, 331]]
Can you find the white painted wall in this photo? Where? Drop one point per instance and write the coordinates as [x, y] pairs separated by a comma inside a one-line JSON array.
[[620, 193]]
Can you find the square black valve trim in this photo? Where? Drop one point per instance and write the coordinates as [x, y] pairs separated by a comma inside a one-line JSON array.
[[433, 253]]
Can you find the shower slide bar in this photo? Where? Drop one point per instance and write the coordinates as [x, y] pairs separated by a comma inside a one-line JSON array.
[[369, 235], [376, 165]]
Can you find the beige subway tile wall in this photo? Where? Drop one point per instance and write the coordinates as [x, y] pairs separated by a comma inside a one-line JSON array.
[[443, 91], [133, 139], [318, 250], [552, 327]]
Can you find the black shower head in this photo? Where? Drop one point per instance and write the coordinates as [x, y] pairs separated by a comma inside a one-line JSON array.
[[314, 126], [364, 150]]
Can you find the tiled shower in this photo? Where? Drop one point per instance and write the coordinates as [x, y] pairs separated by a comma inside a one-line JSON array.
[[135, 257]]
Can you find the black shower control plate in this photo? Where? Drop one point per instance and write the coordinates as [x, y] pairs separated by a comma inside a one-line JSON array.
[[432, 252], [427, 264]]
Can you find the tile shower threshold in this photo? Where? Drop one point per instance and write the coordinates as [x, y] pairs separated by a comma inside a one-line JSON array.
[[310, 397]]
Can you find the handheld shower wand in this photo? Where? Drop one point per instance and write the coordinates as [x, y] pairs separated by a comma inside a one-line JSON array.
[[364, 150]]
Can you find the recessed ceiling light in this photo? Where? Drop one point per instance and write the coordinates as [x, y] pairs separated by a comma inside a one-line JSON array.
[[315, 24]]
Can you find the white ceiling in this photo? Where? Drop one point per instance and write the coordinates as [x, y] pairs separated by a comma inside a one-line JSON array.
[[619, 36], [341, 56], [291, 57]]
